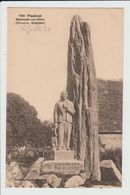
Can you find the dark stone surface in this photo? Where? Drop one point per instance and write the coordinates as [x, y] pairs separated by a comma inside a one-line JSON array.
[[109, 172]]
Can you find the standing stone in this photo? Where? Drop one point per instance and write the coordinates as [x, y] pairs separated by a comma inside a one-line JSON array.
[[82, 91]]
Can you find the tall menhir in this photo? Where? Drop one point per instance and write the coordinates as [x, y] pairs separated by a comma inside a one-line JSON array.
[[82, 90]]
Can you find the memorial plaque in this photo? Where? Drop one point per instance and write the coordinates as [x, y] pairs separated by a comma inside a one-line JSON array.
[[63, 167]]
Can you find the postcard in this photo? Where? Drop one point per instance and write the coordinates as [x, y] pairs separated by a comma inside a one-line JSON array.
[[64, 98]]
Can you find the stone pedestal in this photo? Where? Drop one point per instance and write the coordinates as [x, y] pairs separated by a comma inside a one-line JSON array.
[[59, 155], [61, 162], [62, 167]]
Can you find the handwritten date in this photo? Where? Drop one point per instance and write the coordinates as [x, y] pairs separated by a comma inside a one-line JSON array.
[[33, 28]]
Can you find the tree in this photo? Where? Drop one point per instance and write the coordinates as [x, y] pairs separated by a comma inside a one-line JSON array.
[[22, 121], [110, 105]]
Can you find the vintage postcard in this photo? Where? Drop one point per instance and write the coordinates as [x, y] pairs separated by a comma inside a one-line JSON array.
[[64, 98]]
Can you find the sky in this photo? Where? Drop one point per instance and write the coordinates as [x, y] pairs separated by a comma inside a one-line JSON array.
[[37, 60]]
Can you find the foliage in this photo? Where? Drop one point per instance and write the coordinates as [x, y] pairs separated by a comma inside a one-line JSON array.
[[23, 125], [110, 105], [23, 153]]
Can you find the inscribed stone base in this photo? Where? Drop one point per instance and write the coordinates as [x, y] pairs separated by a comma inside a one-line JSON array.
[[63, 167]]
